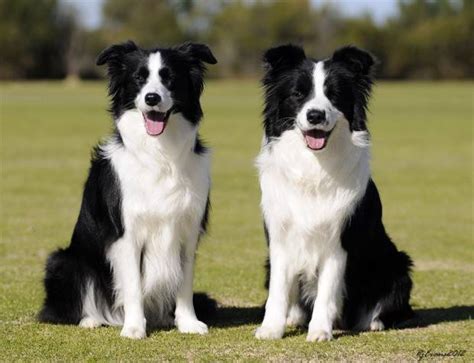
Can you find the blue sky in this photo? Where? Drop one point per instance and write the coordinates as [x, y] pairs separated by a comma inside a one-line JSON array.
[[90, 10]]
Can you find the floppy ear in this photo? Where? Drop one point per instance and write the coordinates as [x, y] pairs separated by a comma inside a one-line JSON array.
[[115, 53], [283, 56], [361, 64], [197, 51], [356, 60]]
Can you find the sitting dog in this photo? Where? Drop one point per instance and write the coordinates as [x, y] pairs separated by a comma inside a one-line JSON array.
[[330, 260], [145, 202]]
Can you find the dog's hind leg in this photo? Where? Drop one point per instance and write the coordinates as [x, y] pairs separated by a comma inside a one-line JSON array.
[[375, 323], [89, 323], [296, 315], [94, 309]]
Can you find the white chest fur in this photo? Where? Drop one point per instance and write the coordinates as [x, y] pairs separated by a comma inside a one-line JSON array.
[[163, 182], [164, 188], [154, 197], [307, 196]]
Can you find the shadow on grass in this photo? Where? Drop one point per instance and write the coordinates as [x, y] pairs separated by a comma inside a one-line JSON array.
[[433, 316], [231, 316], [237, 316]]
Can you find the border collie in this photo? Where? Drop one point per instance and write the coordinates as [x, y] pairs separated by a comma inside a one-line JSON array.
[[145, 202], [331, 263]]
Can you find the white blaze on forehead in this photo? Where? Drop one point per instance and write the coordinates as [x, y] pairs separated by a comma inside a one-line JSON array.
[[319, 77], [154, 85], [154, 66], [318, 101]]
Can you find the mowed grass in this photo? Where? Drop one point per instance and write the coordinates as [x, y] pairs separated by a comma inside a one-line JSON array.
[[422, 163]]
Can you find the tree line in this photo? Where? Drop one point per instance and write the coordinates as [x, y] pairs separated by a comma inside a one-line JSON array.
[[425, 40]]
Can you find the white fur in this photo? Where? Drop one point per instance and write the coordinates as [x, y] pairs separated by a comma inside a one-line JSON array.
[[95, 311], [154, 85], [319, 101], [360, 138], [164, 187], [306, 198]]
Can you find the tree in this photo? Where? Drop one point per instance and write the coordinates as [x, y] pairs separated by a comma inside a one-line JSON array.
[[242, 30], [148, 22], [34, 37], [431, 39]]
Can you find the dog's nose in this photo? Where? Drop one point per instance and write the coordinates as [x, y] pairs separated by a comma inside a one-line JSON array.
[[316, 116], [152, 99]]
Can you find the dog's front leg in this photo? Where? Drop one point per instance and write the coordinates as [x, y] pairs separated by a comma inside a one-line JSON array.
[[328, 302], [124, 256], [185, 316], [276, 308]]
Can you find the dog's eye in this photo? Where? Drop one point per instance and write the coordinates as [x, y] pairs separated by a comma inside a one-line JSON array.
[[139, 77], [297, 94], [330, 92], [165, 74]]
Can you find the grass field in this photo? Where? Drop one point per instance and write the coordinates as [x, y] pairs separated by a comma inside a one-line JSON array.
[[422, 162]]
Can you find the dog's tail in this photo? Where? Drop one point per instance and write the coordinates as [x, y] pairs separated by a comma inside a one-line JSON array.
[[396, 306], [204, 305], [64, 285]]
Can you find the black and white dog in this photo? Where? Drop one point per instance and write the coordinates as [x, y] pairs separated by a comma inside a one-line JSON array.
[[145, 203], [331, 261]]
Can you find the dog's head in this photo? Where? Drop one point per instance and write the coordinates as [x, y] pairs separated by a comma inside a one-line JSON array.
[[156, 82], [314, 96]]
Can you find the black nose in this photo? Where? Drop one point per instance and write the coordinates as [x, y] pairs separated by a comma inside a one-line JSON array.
[[152, 99], [316, 116]]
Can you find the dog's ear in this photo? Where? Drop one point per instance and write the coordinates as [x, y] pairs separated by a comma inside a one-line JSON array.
[[196, 55], [197, 51], [356, 60], [283, 57], [114, 54], [361, 64]]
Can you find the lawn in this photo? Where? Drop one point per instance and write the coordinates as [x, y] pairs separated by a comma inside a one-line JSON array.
[[422, 162]]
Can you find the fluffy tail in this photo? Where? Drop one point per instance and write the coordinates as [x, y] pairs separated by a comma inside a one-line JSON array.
[[64, 285], [396, 306], [205, 306]]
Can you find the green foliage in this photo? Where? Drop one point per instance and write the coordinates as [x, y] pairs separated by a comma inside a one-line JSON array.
[[148, 21], [33, 38], [242, 30], [425, 39], [431, 39], [422, 158]]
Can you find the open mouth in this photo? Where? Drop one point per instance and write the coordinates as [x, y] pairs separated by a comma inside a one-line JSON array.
[[316, 139], [155, 122]]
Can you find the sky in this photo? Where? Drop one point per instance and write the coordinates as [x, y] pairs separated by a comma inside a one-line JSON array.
[[90, 10]]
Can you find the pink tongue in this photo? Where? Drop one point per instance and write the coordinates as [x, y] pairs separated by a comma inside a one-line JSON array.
[[315, 143], [154, 127]]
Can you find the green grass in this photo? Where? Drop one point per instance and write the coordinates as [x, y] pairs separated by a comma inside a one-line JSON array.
[[422, 163]]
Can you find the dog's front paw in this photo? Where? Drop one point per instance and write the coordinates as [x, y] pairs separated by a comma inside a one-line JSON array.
[[193, 326], [134, 331], [318, 336], [269, 332]]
